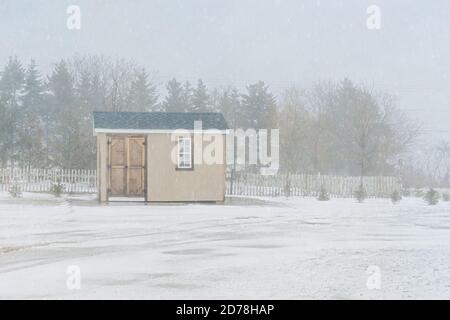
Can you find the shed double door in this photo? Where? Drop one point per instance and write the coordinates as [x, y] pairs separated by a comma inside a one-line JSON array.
[[127, 166]]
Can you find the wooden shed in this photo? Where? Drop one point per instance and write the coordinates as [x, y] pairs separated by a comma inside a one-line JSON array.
[[160, 156]]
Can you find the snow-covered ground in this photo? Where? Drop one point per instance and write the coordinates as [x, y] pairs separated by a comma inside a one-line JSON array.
[[258, 248]]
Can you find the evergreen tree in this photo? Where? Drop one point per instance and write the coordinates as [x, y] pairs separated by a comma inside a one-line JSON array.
[[200, 98], [4, 134], [229, 104], [258, 111], [11, 90], [66, 147], [34, 87], [30, 128], [91, 74], [258, 106], [142, 96], [187, 97], [61, 87], [12, 82], [174, 101]]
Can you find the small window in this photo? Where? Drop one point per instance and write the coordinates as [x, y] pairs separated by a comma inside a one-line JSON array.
[[184, 153]]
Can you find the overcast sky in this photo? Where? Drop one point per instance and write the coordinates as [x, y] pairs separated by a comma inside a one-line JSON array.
[[241, 41]]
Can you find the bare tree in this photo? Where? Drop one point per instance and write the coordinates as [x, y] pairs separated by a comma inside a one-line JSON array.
[[121, 75], [437, 164], [370, 131], [294, 127], [320, 100]]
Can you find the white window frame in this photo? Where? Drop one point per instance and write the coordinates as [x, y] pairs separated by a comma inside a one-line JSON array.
[[184, 154]]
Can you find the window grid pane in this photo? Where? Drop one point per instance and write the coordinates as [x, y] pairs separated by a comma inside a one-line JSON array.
[[184, 153]]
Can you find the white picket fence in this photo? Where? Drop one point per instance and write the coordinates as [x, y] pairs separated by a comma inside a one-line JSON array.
[[42, 180], [246, 184], [309, 185]]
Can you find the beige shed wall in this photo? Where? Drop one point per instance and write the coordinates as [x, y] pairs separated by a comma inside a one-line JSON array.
[[206, 182], [102, 167]]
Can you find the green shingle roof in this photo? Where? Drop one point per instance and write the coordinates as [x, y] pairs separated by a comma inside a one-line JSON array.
[[158, 120]]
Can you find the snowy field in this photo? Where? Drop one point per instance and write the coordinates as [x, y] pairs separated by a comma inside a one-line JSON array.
[[254, 248]]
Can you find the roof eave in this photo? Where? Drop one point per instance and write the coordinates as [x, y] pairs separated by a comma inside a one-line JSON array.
[[150, 131]]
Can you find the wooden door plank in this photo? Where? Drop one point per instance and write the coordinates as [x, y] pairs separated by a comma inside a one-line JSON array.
[[127, 179], [117, 164], [136, 158]]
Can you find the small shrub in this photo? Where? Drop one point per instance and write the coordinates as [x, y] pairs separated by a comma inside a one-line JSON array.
[[418, 193], [15, 190], [406, 192], [396, 197], [360, 194], [432, 197], [287, 189], [446, 197], [57, 189], [323, 194]]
